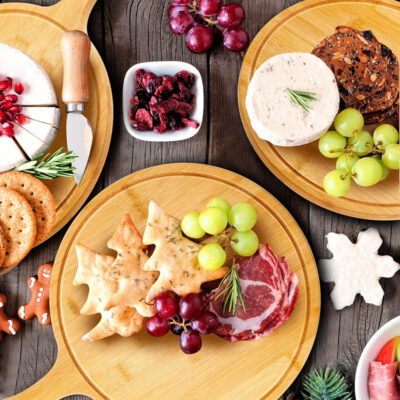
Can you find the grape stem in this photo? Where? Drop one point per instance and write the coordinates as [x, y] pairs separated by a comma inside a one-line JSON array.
[[194, 9], [184, 324]]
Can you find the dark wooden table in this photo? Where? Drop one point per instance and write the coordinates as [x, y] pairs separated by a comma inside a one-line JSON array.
[[130, 31]]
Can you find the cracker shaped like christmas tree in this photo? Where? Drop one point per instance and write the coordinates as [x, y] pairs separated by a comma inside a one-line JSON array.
[[174, 257], [127, 271], [117, 286]]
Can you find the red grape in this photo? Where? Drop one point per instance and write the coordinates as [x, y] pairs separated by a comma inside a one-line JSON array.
[[176, 329], [181, 23], [199, 39], [157, 326], [236, 39], [190, 306], [190, 342], [207, 323], [231, 15], [174, 9], [209, 7], [166, 305]]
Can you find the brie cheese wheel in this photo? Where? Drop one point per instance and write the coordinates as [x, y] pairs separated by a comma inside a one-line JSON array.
[[274, 115], [47, 115], [30, 144], [10, 154], [38, 103], [20, 67], [44, 132]]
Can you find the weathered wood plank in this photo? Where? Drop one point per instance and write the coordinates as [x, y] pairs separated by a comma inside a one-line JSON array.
[[130, 31]]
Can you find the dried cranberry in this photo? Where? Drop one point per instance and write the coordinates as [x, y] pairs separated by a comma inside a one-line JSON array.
[[186, 77], [144, 117], [184, 92], [162, 126], [190, 122]]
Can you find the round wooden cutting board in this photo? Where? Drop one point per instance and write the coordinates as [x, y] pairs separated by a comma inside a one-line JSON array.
[[143, 367], [299, 29], [37, 31]]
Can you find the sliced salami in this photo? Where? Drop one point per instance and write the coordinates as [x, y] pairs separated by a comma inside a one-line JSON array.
[[269, 291]]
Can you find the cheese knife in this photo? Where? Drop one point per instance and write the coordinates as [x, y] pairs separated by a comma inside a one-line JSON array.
[[75, 48]]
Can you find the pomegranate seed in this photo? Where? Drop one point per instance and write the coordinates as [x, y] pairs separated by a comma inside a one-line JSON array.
[[3, 86], [15, 109], [19, 88], [9, 116], [12, 98], [6, 105], [9, 82], [3, 117], [7, 124], [8, 131], [21, 119]]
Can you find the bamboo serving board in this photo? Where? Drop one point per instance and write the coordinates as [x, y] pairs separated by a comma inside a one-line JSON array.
[[146, 368], [37, 31], [299, 29]]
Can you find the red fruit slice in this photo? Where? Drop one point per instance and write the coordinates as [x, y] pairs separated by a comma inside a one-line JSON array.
[[388, 354], [144, 117]]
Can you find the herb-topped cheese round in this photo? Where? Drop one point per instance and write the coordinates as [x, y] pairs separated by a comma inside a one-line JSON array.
[[292, 99]]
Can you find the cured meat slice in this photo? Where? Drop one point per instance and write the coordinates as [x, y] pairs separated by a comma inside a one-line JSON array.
[[269, 291], [382, 381]]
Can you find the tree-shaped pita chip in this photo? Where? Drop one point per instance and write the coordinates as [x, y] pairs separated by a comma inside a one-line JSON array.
[[127, 271], [92, 270], [175, 256]]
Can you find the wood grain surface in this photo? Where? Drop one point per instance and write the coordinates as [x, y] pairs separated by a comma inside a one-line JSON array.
[[129, 31]]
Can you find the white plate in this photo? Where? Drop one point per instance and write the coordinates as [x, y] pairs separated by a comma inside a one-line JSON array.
[[164, 68], [369, 354]]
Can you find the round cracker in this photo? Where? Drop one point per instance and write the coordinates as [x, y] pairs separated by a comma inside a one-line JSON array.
[[38, 196], [19, 226], [2, 246]]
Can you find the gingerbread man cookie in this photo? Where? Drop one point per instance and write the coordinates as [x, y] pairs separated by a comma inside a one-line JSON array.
[[7, 325], [39, 303]]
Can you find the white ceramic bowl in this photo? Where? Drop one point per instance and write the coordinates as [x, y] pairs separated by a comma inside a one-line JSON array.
[[164, 68], [375, 344]]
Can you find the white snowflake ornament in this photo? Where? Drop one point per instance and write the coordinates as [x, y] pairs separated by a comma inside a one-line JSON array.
[[356, 268]]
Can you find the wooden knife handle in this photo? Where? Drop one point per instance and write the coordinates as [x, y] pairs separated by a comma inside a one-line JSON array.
[[75, 48]]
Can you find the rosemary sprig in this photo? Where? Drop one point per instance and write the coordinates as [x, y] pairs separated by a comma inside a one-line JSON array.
[[301, 98], [50, 166], [231, 291]]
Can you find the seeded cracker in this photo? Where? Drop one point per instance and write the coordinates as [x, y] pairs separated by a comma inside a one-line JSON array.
[[19, 226], [38, 196], [175, 256], [366, 70]]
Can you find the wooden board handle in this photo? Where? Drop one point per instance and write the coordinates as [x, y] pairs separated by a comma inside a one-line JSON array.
[[73, 14], [75, 48]]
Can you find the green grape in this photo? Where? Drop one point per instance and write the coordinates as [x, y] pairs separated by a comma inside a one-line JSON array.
[[367, 171], [361, 143], [331, 144], [384, 135], [191, 226], [244, 243], [212, 256], [243, 216], [337, 183], [219, 203], [385, 169], [346, 161], [391, 156], [213, 220], [349, 121]]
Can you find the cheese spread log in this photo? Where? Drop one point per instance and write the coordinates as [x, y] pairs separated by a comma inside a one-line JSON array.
[[275, 116]]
